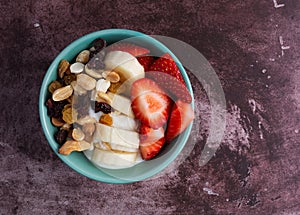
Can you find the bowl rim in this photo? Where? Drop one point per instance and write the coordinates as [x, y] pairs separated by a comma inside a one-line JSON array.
[[43, 110]]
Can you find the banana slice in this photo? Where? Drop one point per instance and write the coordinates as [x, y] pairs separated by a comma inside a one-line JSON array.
[[124, 122], [119, 139], [113, 159], [121, 104], [125, 64]]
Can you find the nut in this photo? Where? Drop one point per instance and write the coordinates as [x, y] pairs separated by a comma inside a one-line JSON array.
[[72, 145], [77, 67], [88, 129], [63, 66], [78, 89], [105, 73], [56, 122], [92, 72], [83, 57], [103, 97], [69, 114], [113, 77], [86, 82], [78, 134], [86, 120], [62, 93], [117, 88], [106, 119], [102, 85], [54, 86]]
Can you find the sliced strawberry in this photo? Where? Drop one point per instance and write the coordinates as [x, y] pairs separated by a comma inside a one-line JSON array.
[[128, 47], [149, 103], [148, 134], [181, 115], [151, 141], [146, 61], [143, 86], [166, 74], [152, 109]]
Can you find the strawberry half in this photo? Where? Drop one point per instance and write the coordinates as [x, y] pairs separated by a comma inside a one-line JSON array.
[[151, 141], [146, 61], [165, 72], [181, 115], [128, 47], [149, 103]]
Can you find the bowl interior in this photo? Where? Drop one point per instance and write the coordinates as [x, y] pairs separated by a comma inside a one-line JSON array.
[[77, 160]]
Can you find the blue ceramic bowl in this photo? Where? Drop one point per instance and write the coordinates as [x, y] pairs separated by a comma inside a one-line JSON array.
[[77, 160]]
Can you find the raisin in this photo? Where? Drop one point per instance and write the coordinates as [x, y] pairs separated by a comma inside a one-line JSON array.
[[96, 62], [55, 108], [69, 78], [99, 44], [102, 106], [61, 136]]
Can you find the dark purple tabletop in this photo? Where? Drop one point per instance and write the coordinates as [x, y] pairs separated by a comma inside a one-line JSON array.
[[253, 47]]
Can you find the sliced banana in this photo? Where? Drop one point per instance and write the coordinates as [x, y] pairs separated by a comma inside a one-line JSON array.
[[124, 122], [121, 104], [106, 158]]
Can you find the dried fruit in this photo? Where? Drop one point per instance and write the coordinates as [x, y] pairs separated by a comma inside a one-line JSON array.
[[66, 126], [69, 78], [83, 57], [72, 145], [69, 114], [77, 68], [106, 119], [102, 85], [62, 93], [102, 106], [78, 134], [61, 136], [113, 77], [86, 82], [99, 44], [55, 108], [88, 129], [54, 86], [63, 66], [103, 97], [57, 122]]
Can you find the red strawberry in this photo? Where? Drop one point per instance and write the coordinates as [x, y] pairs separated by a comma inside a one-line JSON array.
[[151, 141], [144, 85], [149, 103], [128, 47], [146, 61], [168, 76], [181, 115]]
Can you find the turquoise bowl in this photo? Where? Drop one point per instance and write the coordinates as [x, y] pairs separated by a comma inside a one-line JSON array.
[[77, 161]]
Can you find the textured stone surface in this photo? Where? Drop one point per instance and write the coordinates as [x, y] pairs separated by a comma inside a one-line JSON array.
[[256, 170]]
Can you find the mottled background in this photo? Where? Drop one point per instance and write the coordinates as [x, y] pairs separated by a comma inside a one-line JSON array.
[[255, 171]]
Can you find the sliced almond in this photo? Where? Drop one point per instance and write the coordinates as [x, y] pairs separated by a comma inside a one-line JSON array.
[[77, 68], [78, 89], [62, 93], [88, 129], [72, 145], [86, 82]]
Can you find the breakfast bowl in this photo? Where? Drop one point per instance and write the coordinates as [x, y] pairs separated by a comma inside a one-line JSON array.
[[77, 160]]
